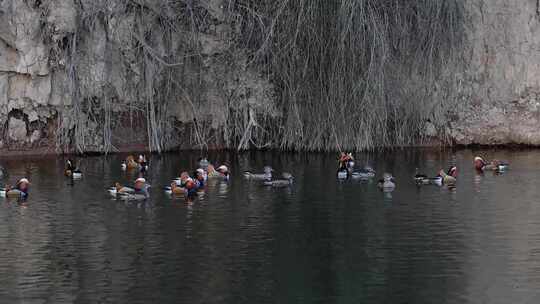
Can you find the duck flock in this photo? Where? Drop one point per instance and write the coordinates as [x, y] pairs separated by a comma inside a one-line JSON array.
[[387, 183], [190, 186]]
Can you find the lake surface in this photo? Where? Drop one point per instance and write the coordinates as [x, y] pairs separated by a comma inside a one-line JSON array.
[[319, 241]]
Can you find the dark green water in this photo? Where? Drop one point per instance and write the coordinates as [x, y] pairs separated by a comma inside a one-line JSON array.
[[320, 241]]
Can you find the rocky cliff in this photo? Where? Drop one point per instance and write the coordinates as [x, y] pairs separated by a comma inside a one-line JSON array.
[[79, 76], [104, 76], [501, 86]]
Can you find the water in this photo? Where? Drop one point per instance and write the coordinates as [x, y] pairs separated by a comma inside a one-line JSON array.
[[320, 241]]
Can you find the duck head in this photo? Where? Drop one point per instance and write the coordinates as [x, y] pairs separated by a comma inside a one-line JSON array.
[[199, 174], [23, 184], [184, 176], [452, 171], [223, 170], [69, 164], [140, 183], [479, 163], [268, 169], [387, 177]]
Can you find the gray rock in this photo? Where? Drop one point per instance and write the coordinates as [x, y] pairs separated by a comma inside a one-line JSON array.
[[17, 129], [36, 89], [36, 135]]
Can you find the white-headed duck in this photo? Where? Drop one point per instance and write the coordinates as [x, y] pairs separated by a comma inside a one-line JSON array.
[[20, 190]]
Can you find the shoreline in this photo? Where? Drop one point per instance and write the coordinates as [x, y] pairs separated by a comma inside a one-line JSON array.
[[51, 152]]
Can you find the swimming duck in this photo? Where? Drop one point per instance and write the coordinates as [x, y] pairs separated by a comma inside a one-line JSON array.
[[346, 159], [130, 163], [286, 181], [138, 192], [449, 178], [495, 165], [211, 171], [119, 189], [387, 183], [142, 163], [182, 180], [174, 189], [267, 175], [202, 173], [19, 191], [200, 179], [192, 187], [72, 170], [345, 165], [422, 179], [364, 173], [223, 172]]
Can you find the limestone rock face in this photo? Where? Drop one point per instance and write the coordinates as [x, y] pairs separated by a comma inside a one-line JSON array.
[[60, 68], [502, 80], [36, 90], [17, 129], [36, 135], [4, 87]]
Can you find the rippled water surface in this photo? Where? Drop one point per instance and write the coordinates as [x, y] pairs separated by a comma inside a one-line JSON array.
[[319, 241]]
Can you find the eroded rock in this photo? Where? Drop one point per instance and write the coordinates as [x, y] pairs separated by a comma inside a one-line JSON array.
[[36, 89], [36, 135], [4, 87], [17, 129]]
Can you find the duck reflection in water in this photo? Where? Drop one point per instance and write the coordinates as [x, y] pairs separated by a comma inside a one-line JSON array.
[[223, 188], [388, 197], [387, 183], [477, 180]]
